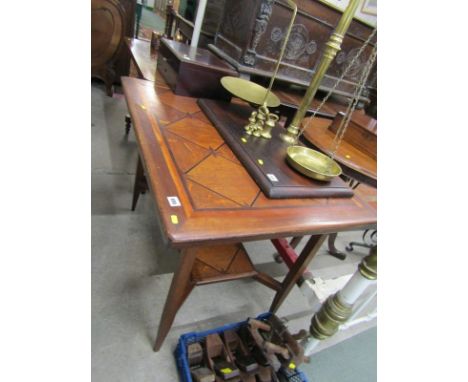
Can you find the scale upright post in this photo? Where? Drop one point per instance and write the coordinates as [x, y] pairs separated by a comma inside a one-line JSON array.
[[333, 46], [198, 23]]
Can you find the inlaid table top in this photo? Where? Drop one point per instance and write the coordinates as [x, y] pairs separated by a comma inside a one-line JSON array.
[[203, 194]]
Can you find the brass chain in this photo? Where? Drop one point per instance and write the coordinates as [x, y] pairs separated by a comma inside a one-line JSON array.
[[338, 81], [352, 105]]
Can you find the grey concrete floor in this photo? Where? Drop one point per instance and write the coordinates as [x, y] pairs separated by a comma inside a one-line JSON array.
[[132, 268]]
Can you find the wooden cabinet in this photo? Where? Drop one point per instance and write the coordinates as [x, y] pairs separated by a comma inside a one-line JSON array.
[[111, 21], [193, 72]]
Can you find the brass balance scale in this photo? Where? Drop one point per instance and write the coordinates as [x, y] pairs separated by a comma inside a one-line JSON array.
[[308, 162]]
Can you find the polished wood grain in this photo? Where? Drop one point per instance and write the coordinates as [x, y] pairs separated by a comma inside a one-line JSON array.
[[221, 263], [194, 72], [245, 216], [122, 63], [264, 157], [356, 163], [360, 133], [180, 288], [144, 61], [143, 58], [183, 156], [111, 21], [250, 37], [107, 33]]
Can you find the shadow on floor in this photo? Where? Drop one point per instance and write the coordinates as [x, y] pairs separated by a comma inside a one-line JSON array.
[[353, 360]]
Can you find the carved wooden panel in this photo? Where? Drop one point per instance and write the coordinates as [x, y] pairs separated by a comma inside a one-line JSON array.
[[253, 31]]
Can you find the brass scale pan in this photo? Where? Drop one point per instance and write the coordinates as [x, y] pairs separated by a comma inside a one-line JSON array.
[[308, 162]]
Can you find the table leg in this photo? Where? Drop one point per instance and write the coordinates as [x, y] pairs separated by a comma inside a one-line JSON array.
[[128, 123], [298, 268], [139, 186], [332, 249], [295, 241], [181, 286]]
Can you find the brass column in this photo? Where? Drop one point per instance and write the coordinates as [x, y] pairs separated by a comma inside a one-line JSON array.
[[333, 46]]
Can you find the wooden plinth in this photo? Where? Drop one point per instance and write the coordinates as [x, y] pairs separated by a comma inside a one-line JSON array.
[[265, 159]]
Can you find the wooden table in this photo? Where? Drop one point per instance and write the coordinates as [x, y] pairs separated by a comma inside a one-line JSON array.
[[357, 165], [208, 204]]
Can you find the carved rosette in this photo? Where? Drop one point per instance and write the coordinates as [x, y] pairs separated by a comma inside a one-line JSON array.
[[355, 70], [261, 23], [299, 48]]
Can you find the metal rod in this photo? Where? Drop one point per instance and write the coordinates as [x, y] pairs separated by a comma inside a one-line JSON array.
[[333, 46], [198, 23]]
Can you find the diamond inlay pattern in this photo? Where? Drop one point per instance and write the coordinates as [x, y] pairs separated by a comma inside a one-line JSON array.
[[205, 198], [186, 153], [214, 263], [197, 131], [213, 176], [225, 178]]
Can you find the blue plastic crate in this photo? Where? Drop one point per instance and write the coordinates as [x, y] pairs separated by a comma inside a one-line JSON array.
[[180, 352], [292, 375]]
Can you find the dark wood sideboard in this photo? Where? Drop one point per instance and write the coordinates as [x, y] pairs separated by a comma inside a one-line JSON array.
[[252, 32]]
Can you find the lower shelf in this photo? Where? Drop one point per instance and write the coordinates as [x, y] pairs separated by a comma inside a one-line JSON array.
[[222, 263]]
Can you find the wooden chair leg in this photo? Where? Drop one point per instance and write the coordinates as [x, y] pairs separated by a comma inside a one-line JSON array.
[[298, 268], [139, 180], [181, 286]]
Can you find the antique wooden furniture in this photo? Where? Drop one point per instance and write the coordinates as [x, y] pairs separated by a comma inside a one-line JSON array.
[[361, 132], [265, 159], [357, 154], [194, 72], [111, 21], [251, 32], [143, 59], [208, 204], [143, 65]]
